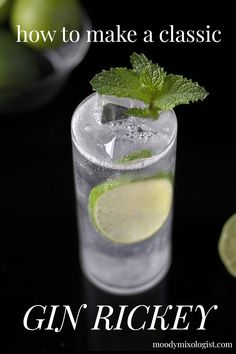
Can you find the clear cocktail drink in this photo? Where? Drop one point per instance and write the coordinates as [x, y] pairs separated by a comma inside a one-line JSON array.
[[124, 172]]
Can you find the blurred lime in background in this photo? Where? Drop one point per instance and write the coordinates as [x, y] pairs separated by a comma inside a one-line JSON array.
[[5, 6], [45, 15], [31, 74], [18, 67], [227, 245]]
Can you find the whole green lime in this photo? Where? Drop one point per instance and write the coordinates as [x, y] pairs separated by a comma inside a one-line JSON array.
[[18, 67], [5, 6], [45, 15]]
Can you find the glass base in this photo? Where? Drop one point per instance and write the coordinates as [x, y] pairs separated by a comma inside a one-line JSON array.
[[127, 291]]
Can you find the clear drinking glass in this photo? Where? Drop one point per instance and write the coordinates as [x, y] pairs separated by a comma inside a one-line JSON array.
[[121, 268]]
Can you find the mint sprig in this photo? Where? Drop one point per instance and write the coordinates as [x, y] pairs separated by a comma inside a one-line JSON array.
[[148, 82]]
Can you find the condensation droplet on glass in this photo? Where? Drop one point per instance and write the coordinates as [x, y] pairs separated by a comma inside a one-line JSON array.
[[88, 128], [100, 144]]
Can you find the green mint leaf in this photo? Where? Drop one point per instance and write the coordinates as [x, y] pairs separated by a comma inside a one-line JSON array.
[[120, 82], [139, 62], [144, 112], [152, 79], [178, 90]]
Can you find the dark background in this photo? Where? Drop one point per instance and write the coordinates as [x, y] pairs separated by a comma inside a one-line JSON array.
[[39, 253]]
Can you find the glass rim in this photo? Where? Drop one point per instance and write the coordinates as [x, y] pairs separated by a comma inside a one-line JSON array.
[[116, 165]]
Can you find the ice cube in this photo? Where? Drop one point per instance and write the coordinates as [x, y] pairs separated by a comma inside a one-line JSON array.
[[112, 112], [112, 108], [109, 147]]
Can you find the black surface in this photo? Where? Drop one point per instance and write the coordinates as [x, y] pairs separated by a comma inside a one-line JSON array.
[[39, 251]]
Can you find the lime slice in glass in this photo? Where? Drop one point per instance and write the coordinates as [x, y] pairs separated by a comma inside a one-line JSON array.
[[128, 211], [227, 245], [137, 155]]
